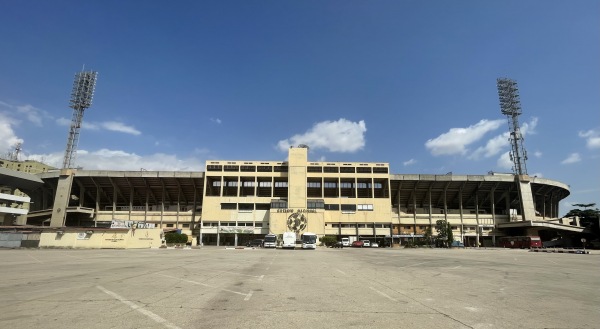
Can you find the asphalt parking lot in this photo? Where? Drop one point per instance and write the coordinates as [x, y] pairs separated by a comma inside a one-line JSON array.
[[215, 287]]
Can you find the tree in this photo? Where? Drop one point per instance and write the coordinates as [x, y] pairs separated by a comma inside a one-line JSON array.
[[588, 217], [444, 233]]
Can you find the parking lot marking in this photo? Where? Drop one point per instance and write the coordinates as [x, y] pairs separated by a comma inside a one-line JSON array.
[[344, 273], [156, 318], [413, 264], [206, 285], [249, 295], [37, 260], [261, 277], [383, 294]]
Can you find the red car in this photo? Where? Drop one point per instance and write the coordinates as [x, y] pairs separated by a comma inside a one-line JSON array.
[[357, 244]]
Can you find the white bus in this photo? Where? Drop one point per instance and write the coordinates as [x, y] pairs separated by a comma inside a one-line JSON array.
[[289, 240], [309, 241], [270, 241]]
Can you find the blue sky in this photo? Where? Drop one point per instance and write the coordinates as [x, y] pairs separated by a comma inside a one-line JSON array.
[[412, 83]]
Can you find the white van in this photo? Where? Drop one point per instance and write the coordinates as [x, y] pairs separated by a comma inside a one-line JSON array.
[[346, 242], [366, 243]]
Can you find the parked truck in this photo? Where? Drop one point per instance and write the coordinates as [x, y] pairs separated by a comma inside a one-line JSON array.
[[270, 241], [289, 240]]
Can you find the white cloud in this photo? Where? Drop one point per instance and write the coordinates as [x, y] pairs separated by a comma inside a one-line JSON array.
[[334, 136], [216, 120], [592, 138], [572, 158], [8, 137], [107, 125], [456, 140], [537, 154], [120, 127], [498, 143], [504, 161], [33, 114], [105, 159], [409, 162]]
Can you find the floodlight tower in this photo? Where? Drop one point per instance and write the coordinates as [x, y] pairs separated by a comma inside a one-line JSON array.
[[510, 105], [81, 99]]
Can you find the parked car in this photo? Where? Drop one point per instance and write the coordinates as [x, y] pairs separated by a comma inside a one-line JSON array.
[[374, 245], [366, 243], [357, 244], [338, 244], [457, 244]]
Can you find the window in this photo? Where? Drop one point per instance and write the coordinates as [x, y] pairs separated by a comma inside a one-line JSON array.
[[185, 225], [249, 184], [380, 170], [264, 169], [246, 207], [216, 183], [281, 168], [345, 185], [232, 168], [210, 224], [365, 207], [347, 170], [263, 206], [408, 227], [228, 206], [214, 168], [363, 185], [377, 185], [422, 227], [335, 225], [332, 207], [313, 184], [264, 184], [314, 169], [169, 225], [315, 204], [278, 204], [281, 184], [348, 208], [258, 224], [248, 168], [232, 183], [330, 185], [330, 169], [363, 170]]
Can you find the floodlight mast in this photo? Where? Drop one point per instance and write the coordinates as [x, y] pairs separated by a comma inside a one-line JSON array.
[[510, 105], [81, 99]]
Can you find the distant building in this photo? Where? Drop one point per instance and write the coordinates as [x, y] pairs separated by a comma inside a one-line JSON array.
[[14, 202]]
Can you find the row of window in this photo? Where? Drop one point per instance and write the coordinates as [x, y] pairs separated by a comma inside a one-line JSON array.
[[310, 204], [343, 185], [359, 225], [238, 224], [249, 184], [466, 228], [312, 169], [309, 184]]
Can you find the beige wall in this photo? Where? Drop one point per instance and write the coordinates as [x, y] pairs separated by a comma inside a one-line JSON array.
[[102, 239]]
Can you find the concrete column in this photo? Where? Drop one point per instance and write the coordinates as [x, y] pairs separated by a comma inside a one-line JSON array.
[[526, 197], [61, 198]]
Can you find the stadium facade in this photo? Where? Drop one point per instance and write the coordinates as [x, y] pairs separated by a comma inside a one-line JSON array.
[[233, 202]]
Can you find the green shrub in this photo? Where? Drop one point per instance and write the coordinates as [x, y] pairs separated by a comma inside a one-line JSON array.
[[328, 240], [176, 238]]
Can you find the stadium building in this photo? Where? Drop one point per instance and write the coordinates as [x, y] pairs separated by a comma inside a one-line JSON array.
[[233, 202]]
